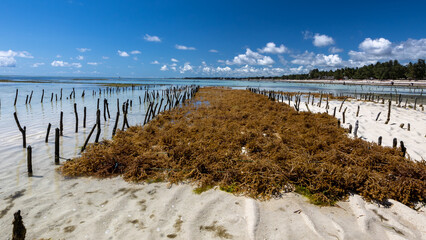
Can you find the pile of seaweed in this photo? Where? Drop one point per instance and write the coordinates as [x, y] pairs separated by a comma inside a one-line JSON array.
[[247, 144]]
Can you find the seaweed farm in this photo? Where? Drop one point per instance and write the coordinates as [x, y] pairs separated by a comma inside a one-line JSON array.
[[245, 143]]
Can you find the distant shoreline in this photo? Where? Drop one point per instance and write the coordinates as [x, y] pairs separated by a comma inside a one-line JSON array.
[[377, 82], [413, 83]]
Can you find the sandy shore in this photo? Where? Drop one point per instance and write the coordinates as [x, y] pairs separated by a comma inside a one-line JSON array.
[[412, 83], [86, 208]]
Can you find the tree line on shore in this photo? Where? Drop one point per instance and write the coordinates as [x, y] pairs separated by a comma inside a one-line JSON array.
[[381, 70]]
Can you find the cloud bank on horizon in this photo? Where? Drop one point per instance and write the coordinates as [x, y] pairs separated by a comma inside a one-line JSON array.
[[195, 50]]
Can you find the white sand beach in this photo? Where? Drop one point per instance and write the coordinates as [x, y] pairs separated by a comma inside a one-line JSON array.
[[86, 208]]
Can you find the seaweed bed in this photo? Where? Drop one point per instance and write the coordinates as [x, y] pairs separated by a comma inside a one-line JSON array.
[[247, 144]]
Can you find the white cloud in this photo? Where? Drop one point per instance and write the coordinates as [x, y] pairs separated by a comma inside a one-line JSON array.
[[272, 48], [223, 69], [57, 63], [58, 56], [164, 68], [181, 47], [378, 47], [122, 53], [155, 62], [104, 57], [35, 65], [312, 60], [174, 60], [135, 58], [150, 38], [7, 58], [80, 57], [322, 40], [135, 52], [186, 67], [93, 63], [7, 62], [335, 50], [381, 49], [213, 51], [251, 58], [83, 49]]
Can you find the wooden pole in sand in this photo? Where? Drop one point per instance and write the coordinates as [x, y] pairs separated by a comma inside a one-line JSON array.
[[378, 115], [395, 142], [343, 114], [29, 161], [116, 123], [76, 117], [31, 96], [16, 97], [61, 123], [57, 146], [415, 103], [357, 111], [22, 130], [84, 118], [389, 112], [403, 148], [105, 110], [47, 134], [341, 105], [42, 96], [379, 141], [19, 231], [356, 128], [98, 124], [88, 138]]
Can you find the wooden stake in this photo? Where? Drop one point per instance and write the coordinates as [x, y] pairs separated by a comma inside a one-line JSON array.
[[84, 118], [31, 96], [98, 124], [61, 123], [356, 128], [19, 230], [76, 117], [389, 112], [343, 114], [378, 115], [403, 148], [415, 103], [116, 123], [88, 138], [22, 130], [42, 96], [341, 105], [47, 134], [57, 146], [29, 161], [395, 142], [379, 141], [16, 97], [357, 111]]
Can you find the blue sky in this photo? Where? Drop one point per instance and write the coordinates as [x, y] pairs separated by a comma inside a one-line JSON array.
[[204, 38]]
